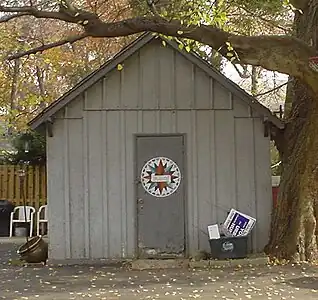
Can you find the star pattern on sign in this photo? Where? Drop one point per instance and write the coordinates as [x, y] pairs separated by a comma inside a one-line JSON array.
[[160, 176]]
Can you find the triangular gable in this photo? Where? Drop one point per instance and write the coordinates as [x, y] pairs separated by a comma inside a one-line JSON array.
[[128, 51]]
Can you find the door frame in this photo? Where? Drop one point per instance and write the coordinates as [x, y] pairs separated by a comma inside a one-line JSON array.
[[184, 177]]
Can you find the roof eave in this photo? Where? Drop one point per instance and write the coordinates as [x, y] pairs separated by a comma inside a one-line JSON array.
[[90, 80]]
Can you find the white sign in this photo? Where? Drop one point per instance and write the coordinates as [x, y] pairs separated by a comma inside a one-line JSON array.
[[160, 178], [213, 231]]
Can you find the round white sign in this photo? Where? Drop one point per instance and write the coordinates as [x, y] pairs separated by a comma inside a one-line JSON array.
[[160, 176]]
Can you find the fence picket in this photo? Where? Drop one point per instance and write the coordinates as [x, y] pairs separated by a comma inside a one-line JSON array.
[[34, 185]]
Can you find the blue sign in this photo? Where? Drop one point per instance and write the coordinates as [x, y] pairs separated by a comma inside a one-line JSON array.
[[238, 224]]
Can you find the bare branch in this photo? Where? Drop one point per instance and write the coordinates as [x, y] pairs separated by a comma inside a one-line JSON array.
[[10, 17], [243, 74], [42, 48], [152, 7], [273, 89], [33, 11]]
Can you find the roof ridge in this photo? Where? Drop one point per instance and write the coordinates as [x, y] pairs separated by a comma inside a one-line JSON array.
[[129, 50]]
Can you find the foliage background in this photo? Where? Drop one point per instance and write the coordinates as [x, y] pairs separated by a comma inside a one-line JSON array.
[[29, 84]]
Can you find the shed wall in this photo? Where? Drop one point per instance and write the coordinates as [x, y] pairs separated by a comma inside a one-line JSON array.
[[91, 159]]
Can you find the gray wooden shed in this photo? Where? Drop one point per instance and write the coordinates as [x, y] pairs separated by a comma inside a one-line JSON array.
[[140, 161]]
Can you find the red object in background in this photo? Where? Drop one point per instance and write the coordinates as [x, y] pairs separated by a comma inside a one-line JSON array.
[[275, 194], [275, 188], [313, 63]]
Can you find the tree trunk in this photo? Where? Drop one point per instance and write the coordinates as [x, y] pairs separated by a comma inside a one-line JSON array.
[[254, 81], [294, 229], [13, 95], [40, 79]]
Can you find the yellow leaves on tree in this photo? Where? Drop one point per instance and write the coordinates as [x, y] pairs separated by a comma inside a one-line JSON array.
[[43, 77]]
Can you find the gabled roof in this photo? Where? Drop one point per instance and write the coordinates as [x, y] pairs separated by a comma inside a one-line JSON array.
[[95, 76]]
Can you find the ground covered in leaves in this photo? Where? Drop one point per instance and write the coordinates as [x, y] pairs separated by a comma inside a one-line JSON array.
[[79, 282]]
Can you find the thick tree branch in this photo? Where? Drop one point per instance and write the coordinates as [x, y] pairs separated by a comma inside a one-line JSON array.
[[284, 54], [42, 48], [10, 17], [300, 4], [64, 14]]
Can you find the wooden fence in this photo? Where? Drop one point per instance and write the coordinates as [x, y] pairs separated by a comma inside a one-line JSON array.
[[34, 185]]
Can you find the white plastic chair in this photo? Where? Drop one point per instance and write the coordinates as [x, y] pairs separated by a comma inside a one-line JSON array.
[[41, 217], [30, 211]]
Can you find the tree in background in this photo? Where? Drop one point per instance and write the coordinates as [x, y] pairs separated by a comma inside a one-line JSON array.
[[30, 148], [29, 84], [207, 24]]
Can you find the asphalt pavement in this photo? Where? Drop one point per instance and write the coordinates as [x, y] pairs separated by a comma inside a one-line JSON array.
[[103, 282]]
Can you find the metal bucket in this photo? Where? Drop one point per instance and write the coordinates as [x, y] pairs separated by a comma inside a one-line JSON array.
[[35, 250]]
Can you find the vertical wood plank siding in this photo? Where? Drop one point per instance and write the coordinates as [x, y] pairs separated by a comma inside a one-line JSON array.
[[158, 91]]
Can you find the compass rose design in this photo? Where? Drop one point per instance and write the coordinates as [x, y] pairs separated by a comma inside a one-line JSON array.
[[160, 176]]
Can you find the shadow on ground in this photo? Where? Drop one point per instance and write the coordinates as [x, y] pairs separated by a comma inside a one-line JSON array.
[[304, 282]]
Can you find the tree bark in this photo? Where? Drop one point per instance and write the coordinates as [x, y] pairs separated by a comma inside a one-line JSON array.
[[294, 220], [14, 83], [254, 81], [40, 79], [14, 91]]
